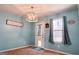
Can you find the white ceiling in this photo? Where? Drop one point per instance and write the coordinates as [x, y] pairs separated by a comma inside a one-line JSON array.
[[39, 9]]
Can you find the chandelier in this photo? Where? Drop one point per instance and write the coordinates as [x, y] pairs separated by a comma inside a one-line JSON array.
[[31, 16]]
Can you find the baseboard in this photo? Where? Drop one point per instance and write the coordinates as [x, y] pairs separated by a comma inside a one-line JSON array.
[[32, 45], [55, 51], [15, 48], [58, 51]]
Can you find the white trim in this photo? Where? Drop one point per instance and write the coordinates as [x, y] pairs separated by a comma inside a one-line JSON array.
[[15, 48], [37, 37], [58, 51], [42, 47]]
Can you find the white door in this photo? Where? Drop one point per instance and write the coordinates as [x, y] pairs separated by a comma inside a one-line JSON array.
[[39, 34]]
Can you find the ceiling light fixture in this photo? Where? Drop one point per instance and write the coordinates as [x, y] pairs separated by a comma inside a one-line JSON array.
[[31, 16]]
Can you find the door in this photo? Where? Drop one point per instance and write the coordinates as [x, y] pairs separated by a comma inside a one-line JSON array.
[[39, 34]]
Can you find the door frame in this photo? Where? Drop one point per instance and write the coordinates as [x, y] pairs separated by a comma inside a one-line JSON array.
[[42, 22]]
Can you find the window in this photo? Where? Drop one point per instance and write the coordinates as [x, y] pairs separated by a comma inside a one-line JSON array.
[[39, 29], [58, 30]]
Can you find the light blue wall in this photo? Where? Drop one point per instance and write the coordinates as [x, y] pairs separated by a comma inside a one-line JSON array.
[[15, 36], [72, 29]]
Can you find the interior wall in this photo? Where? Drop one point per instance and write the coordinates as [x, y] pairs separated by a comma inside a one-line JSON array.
[[72, 29], [13, 37]]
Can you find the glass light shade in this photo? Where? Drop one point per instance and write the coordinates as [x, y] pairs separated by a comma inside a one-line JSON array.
[[31, 17]]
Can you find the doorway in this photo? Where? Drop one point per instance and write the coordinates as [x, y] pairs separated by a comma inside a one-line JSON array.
[[39, 34]]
